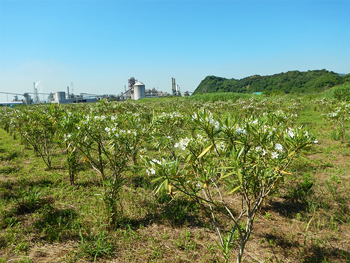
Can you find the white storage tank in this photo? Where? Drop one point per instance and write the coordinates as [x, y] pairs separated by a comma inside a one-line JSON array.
[[139, 90], [60, 95]]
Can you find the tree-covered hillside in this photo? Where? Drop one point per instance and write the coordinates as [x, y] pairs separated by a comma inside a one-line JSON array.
[[291, 81]]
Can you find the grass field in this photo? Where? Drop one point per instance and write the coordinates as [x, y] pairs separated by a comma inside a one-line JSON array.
[[46, 218]]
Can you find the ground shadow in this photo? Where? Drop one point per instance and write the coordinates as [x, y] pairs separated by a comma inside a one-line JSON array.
[[177, 213], [141, 181], [10, 189], [57, 225], [286, 208], [316, 254], [8, 156], [280, 241], [11, 184], [9, 169]]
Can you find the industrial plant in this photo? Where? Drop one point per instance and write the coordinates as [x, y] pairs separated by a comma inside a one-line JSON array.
[[136, 90]]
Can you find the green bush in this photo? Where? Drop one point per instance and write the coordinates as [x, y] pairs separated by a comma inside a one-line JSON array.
[[342, 92]]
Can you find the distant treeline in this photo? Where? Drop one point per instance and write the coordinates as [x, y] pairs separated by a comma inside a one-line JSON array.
[[289, 82]]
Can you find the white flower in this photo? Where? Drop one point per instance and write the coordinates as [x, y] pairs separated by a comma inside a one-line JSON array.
[[291, 133], [156, 161], [216, 125], [274, 155], [333, 114], [151, 171], [221, 146], [279, 147], [239, 131], [315, 141], [182, 144]]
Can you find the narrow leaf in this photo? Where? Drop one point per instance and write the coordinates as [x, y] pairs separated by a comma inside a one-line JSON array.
[[239, 174], [284, 172], [226, 175], [205, 151], [292, 153], [235, 189]]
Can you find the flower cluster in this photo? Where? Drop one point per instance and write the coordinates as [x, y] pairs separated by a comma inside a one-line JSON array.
[[182, 144], [152, 166]]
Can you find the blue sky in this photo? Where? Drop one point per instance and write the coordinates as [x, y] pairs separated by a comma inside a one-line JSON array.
[[98, 44]]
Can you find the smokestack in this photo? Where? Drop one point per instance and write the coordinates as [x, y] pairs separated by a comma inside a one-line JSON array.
[[67, 92], [173, 86]]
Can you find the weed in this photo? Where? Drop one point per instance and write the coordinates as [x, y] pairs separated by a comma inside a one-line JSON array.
[[185, 242], [333, 225], [332, 188], [165, 235], [29, 200], [56, 224], [267, 215], [94, 245], [335, 178], [178, 211], [9, 221], [9, 170], [21, 247], [303, 191], [299, 217], [24, 260]]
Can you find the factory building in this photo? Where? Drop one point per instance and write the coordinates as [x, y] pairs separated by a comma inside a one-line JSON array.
[[60, 98], [139, 91]]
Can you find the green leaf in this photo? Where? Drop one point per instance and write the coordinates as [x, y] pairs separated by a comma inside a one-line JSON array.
[[291, 154], [240, 152], [226, 175], [239, 174]]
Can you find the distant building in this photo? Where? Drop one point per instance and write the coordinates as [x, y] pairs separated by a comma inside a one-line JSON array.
[[11, 103], [139, 90], [60, 98]]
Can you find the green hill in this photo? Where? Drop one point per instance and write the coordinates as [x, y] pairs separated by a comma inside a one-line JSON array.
[[291, 81]]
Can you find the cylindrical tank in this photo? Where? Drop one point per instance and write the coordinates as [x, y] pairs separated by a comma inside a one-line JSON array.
[[139, 90], [60, 95]]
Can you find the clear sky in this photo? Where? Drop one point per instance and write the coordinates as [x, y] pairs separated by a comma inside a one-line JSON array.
[[98, 44]]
